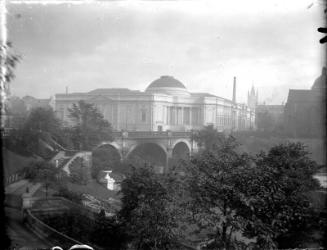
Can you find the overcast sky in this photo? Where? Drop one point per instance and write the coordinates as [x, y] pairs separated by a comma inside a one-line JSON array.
[[273, 45]]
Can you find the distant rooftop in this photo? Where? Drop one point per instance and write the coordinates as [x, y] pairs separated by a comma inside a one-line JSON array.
[[304, 95], [203, 94], [107, 91]]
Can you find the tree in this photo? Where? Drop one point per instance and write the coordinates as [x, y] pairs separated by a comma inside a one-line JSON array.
[[263, 198], [79, 171], [279, 193], [146, 213], [108, 232], [42, 120], [208, 138], [44, 172], [90, 126], [216, 206], [40, 126], [17, 111], [8, 61]]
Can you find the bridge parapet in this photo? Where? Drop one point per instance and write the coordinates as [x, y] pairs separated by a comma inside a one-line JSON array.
[[152, 134]]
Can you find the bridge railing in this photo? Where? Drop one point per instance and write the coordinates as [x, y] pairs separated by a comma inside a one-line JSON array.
[[151, 134]]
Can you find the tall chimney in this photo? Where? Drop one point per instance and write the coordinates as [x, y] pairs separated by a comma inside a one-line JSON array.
[[234, 90]]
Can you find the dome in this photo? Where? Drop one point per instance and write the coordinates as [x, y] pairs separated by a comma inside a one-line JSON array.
[[167, 85], [320, 82]]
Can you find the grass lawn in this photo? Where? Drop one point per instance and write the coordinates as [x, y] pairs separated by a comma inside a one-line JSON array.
[[95, 189]]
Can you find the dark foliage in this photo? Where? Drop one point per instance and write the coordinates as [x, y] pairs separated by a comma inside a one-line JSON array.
[[90, 127], [147, 213]]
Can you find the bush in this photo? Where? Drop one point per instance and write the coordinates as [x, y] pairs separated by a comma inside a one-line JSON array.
[[69, 195]]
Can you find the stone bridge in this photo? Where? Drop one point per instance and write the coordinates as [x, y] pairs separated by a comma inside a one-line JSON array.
[[170, 144]]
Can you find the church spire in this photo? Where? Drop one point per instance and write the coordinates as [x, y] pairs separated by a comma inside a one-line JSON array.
[[252, 98]]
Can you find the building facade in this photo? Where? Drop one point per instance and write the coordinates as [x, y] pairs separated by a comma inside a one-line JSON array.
[[166, 105], [305, 110]]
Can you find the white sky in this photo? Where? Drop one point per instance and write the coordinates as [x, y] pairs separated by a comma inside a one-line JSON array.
[[273, 45]]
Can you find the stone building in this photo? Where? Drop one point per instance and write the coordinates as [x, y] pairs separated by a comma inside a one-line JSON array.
[[166, 104], [305, 110]]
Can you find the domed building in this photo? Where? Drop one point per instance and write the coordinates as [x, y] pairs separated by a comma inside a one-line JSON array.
[[166, 104], [167, 85], [321, 81], [305, 110]]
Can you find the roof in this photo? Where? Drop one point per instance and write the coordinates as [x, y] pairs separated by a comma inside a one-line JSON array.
[[166, 81], [108, 91], [203, 94], [303, 95]]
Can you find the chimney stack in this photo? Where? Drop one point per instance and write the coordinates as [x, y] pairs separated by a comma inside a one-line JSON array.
[[234, 90]]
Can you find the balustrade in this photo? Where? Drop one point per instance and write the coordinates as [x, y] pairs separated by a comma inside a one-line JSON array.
[[151, 134]]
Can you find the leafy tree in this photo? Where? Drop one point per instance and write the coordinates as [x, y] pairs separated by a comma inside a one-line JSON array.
[[208, 138], [7, 62], [10, 61], [79, 172], [108, 232], [18, 112], [263, 198], [44, 172], [42, 119], [147, 213], [216, 206], [279, 193], [90, 127], [40, 125]]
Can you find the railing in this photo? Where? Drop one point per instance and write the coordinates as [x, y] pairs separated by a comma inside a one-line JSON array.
[[151, 134], [48, 232], [72, 159]]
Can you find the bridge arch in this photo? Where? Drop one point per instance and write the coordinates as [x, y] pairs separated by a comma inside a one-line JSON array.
[[181, 149], [113, 145], [153, 152]]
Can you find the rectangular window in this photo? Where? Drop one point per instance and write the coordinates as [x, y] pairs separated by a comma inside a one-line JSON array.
[[143, 115]]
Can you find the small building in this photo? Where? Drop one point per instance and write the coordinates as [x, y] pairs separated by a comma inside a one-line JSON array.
[[114, 179]]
